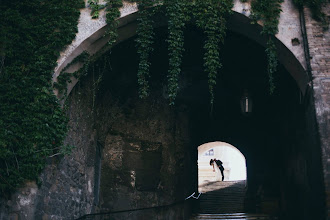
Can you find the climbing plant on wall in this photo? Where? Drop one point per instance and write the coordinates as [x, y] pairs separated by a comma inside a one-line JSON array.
[[112, 13], [32, 123]]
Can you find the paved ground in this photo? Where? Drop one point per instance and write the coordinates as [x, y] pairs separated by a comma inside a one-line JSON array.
[[234, 216], [224, 200]]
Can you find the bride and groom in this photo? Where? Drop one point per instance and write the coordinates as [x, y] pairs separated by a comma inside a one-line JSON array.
[[217, 166]]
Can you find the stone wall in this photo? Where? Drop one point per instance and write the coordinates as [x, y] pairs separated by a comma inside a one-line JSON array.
[[144, 144], [129, 154], [319, 46], [143, 154], [66, 185]]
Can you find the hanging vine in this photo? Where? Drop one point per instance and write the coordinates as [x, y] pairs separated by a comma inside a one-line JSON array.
[[32, 123], [112, 14], [176, 22], [145, 37], [95, 8], [210, 17], [268, 12]]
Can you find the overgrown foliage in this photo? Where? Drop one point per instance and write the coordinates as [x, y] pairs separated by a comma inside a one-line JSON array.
[[95, 8], [210, 17], [268, 12], [144, 42], [315, 6], [32, 123], [65, 77], [176, 21], [112, 13]]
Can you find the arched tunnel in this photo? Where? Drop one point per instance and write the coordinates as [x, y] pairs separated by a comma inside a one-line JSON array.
[[147, 149]]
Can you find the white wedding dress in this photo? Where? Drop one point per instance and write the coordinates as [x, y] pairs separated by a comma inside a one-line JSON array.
[[218, 176]]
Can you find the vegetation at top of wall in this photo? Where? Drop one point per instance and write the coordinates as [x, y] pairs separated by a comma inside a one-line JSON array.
[[32, 123], [95, 8], [315, 6], [209, 16], [112, 13]]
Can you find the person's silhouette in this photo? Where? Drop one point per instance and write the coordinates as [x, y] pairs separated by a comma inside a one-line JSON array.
[[219, 164]]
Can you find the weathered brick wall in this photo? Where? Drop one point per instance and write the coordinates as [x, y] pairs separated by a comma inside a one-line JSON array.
[[319, 47]]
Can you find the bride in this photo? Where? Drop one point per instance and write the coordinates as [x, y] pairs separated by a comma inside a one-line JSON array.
[[218, 174]]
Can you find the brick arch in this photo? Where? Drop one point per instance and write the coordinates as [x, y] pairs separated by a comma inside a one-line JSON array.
[[290, 56]]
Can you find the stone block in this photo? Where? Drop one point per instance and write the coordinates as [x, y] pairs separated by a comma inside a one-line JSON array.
[[13, 216]]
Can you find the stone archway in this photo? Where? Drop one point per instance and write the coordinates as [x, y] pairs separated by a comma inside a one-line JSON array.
[[233, 161], [291, 56], [292, 61], [71, 189]]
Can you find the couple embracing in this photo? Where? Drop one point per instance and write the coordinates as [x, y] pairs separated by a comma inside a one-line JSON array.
[[218, 166]]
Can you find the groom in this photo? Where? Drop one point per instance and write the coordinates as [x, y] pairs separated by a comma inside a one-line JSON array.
[[219, 164]]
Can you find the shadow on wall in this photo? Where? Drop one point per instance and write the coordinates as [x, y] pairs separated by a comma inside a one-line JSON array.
[[233, 162]]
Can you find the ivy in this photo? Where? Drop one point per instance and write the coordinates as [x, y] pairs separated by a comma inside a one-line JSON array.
[[32, 123], [64, 77], [95, 8], [210, 17], [112, 14], [272, 64], [268, 12], [176, 22], [145, 37]]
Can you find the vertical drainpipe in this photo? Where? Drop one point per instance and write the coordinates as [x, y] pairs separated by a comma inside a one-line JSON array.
[[306, 49]]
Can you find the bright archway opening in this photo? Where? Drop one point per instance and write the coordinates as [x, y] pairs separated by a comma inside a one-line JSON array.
[[233, 160]]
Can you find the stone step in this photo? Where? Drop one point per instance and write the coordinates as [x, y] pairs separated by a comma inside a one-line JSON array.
[[222, 197], [233, 216]]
